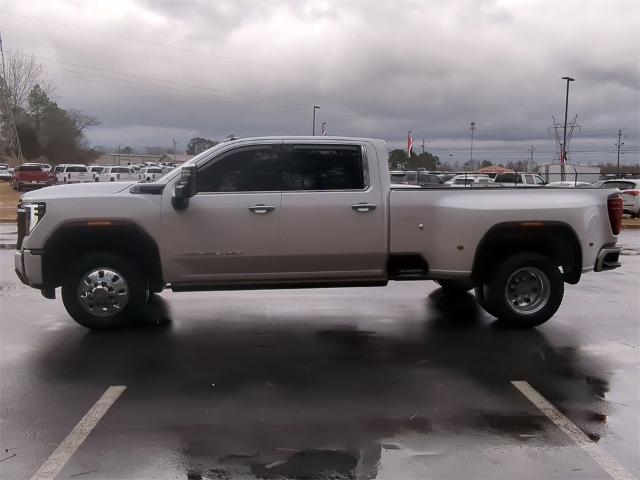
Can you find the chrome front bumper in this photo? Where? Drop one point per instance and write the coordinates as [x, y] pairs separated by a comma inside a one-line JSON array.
[[607, 259]]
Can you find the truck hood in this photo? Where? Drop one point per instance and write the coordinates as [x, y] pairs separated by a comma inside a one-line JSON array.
[[89, 189]]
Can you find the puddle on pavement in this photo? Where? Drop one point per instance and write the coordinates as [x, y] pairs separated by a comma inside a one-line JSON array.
[[312, 464]]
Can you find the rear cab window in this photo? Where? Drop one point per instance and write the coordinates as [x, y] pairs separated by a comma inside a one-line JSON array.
[[326, 167]]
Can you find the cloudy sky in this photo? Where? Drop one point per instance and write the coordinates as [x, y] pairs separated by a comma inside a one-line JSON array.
[[157, 70]]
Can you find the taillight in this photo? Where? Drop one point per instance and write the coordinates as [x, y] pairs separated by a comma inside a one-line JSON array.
[[615, 206]]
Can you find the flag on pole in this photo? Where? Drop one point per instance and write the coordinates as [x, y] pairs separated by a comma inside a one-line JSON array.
[[409, 143], [324, 132]]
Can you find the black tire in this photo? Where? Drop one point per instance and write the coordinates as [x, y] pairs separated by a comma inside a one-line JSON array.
[[541, 294], [455, 285], [136, 287], [481, 298]]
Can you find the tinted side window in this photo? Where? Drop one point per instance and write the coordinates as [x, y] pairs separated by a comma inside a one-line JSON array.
[[251, 169], [618, 184], [508, 178], [539, 180], [76, 169], [529, 179], [318, 167]]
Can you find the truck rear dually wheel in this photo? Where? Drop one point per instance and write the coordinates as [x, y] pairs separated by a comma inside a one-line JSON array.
[[525, 291], [104, 291]]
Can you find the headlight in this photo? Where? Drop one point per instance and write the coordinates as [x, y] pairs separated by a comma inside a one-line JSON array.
[[33, 213]]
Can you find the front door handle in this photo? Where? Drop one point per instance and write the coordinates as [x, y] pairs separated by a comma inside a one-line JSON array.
[[261, 209], [364, 207]]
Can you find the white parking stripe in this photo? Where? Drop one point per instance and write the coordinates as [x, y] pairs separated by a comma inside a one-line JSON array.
[[606, 461], [79, 434]]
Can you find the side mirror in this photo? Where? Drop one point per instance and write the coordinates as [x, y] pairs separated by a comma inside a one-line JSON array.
[[185, 188]]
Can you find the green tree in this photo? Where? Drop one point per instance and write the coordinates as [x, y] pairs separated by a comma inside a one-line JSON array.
[[199, 144], [398, 159], [486, 163], [424, 160], [38, 101]]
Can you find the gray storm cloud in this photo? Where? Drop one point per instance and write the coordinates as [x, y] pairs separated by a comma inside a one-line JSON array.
[[156, 70]]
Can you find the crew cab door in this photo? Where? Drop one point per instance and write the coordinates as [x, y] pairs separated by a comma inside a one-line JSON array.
[[230, 230], [332, 224]]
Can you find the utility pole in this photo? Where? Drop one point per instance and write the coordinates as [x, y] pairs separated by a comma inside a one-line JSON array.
[[118, 154], [473, 127], [174, 149], [563, 157], [531, 150], [619, 144], [313, 131], [15, 139]]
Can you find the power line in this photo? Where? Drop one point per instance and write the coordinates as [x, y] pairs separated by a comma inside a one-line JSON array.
[[149, 42]]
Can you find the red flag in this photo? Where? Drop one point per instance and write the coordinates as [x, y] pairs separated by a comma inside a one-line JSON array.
[[409, 144]]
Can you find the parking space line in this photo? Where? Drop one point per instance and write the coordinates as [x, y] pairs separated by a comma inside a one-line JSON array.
[[606, 461], [79, 434]]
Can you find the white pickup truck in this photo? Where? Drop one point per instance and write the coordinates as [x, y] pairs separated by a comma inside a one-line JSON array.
[[289, 212]]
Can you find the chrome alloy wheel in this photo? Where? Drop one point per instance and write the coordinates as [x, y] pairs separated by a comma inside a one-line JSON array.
[[527, 290], [103, 292]]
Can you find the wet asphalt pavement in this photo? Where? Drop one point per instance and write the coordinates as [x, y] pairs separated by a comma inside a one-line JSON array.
[[401, 382]]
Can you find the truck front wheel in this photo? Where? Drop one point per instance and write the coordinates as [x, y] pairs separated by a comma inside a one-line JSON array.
[[525, 291], [104, 291]]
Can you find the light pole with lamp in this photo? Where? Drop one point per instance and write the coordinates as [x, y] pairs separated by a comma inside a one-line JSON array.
[[315, 107]]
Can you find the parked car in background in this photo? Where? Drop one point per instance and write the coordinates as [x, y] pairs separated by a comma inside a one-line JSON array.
[[29, 176], [117, 174], [621, 184], [630, 193], [570, 184], [520, 179], [471, 181], [72, 173], [415, 177], [150, 174], [95, 170], [5, 173]]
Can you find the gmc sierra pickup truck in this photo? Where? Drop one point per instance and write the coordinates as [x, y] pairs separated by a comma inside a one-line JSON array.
[[289, 212]]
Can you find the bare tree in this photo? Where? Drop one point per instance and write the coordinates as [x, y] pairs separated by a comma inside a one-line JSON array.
[[81, 120], [22, 73]]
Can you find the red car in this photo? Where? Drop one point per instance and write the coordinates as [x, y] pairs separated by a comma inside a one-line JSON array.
[[29, 176]]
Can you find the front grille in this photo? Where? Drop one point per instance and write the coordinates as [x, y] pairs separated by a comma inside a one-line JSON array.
[[22, 227]]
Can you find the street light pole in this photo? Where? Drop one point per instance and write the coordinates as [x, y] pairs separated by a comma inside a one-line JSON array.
[[314, 119], [473, 127], [619, 144], [563, 157], [531, 150]]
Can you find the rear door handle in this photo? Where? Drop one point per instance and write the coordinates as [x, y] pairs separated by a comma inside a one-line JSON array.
[[261, 209], [364, 207]]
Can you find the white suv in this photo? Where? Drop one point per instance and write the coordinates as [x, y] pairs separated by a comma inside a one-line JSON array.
[[630, 193], [72, 173], [117, 174]]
